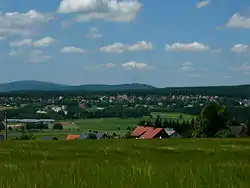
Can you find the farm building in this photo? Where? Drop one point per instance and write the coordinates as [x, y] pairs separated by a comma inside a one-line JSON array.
[[172, 133], [72, 136], [144, 132], [30, 120], [93, 135], [87, 135]]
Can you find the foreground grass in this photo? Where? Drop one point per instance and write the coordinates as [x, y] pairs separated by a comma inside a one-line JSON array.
[[126, 164]]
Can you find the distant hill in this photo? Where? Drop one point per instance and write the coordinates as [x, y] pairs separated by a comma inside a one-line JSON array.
[[23, 86], [229, 91], [47, 86]]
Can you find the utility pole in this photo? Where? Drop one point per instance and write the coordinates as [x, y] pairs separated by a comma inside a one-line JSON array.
[[5, 125]]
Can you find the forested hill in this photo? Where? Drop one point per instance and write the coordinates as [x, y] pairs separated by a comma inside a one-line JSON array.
[[47, 86], [233, 91], [43, 88]]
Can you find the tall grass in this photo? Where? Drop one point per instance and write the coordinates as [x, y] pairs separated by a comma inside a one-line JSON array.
[[125, 164]]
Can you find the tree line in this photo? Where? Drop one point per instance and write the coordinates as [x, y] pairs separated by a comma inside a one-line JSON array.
[[226, 91], [213, 121]]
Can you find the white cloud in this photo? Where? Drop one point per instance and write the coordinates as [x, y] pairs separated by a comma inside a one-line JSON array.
[[2, 38], [119, 47], [46, 41], [131, 65], [202, 4], [187, 66], [108, 10], [238, 21], [34, 56], [24, 42], [72, 49], [108, 65], [140, 46], [189, 47], [245, 67], [240, 48], [37, 56], [101, 66], [94, 33], [22, 23], [136, 65], [13, 53], [113, 48]]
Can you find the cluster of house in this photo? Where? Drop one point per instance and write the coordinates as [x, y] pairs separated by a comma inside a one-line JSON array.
[[145, 132], [140, 132], [88, 135]]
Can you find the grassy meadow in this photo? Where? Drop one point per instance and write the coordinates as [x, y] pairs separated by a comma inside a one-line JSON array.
[[170, 163], [109, 125]]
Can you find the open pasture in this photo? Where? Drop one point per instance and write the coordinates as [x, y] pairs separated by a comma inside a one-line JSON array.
[[172, 115], [184, 163]]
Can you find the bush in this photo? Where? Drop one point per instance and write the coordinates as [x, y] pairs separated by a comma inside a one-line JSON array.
[[58, 126], [224, 134], [129, 128], [26, 137], [128, 135], [92, 136]]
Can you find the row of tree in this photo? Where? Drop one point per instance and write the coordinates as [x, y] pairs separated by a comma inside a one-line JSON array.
[[74, 112], [213, 120]]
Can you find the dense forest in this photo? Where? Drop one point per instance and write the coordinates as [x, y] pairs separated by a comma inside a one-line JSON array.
[[224, 91]]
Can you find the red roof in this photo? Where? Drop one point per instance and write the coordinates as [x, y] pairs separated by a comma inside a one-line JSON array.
[[139, 130], [151, 133], [72, 136]]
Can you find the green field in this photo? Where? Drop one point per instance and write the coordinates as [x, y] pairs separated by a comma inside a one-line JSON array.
[[171, 115], [182, 163], [114, 124], [109, 125]]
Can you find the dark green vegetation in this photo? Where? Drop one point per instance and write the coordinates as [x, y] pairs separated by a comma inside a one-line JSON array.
[[182, 163], [213, 121], [120, 126], [37, 88]]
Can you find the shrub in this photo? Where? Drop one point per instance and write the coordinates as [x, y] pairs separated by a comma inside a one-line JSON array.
[[28, 136], [92, 136], [224, 134], [58, 126]]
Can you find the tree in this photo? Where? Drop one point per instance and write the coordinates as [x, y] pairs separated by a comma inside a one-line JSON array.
[[92, 136], [142, 123], [166, 123], [224, 134], [213, 118], [58, 126], [2, 126], [30, 126], [158, 122], [248, 127]]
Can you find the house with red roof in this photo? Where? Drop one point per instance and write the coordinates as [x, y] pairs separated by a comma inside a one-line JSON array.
[[72, 136], [144, 132]]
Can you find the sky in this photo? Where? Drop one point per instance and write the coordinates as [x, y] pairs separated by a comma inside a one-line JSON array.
[[163, 43]]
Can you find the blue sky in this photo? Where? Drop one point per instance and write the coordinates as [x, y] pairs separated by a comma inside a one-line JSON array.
[[162, 43]]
